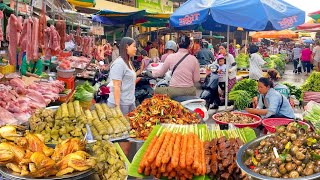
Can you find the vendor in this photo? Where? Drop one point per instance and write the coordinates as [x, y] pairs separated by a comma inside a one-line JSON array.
[[33, 68], [271, 103]]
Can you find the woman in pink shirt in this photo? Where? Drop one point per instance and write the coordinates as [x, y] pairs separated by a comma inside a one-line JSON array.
[[184, 76], [306, 59]]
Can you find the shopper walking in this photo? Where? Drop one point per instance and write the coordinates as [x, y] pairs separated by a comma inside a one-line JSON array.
[[170, 48], [306, 54], [316, 55], [231, 64], [296, 57], [256, 63]]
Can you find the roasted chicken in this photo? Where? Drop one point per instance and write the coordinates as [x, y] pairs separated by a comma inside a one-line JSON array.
[[66, 147], [36, 145], [10, 152], [75, 161], [29, 155]]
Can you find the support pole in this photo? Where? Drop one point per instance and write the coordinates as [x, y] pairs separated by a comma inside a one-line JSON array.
[[227, 69]]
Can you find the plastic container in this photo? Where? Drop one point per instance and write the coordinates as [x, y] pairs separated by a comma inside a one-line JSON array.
[[271, 123], [69, 82], [252, 125], [65, 73], [7, 69]]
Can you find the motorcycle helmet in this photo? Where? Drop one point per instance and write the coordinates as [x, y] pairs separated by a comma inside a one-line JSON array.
[[171, 45], [204, 44], [220, 57]]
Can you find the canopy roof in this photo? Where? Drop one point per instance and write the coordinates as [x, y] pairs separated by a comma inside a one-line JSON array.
[[276, 34]]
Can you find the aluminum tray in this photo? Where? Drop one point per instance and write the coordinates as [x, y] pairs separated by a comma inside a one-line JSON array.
[[242, 156], [7, 173]]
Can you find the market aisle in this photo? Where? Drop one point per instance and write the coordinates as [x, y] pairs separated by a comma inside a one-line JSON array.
[[290, 77]]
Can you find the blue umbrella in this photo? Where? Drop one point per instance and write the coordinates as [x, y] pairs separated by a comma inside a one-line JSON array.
[[216, 15], [249, 14]]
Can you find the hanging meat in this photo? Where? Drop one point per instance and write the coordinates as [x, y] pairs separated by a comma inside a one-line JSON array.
[[46, 45], [55, 40], [61, 28], [35, 38], [1, 32], [29, 51], [42, 27], [22, 43], [78, 36], [13, 29]]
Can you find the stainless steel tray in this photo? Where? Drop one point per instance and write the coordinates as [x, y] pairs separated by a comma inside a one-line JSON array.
[[9, 174], [242, 156]]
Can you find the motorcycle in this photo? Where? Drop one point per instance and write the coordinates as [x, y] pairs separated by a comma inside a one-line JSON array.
[[144, 88], [210, 92], [192, 103]]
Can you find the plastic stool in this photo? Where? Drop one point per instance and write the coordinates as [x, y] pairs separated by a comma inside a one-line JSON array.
[[68, 81]]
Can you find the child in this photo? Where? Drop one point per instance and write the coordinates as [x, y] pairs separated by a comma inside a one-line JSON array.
[[222, 71]]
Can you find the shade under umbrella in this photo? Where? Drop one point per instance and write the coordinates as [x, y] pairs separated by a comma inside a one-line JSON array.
[[249, 14], [254, 14]]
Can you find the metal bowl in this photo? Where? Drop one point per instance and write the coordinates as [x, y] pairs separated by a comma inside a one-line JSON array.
[[8, 173], [242, 156]]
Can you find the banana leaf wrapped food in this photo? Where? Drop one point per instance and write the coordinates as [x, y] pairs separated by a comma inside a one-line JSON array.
[[106, 110], [107, 126], [125, 122], [94, 114], [99, 126], [115, 126], [89, 116], [64, 111], [58, 114], [118, 111], [77, 108], [71, 110], [114, 113], [100, 111]]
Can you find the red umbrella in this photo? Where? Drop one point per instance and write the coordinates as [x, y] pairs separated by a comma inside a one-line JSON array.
[[308, 26]]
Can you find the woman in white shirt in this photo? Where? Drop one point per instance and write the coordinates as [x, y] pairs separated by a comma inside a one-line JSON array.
[[256, 63]]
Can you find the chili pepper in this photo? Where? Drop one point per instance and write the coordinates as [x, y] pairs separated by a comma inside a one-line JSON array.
[[252, 167], [257, 152]]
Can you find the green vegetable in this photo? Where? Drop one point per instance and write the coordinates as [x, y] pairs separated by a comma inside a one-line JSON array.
[[242, 60], [315, 156], [82, 95], [283, 157], [241, 98], [294, 90], [312, 83], [88, 87], [249, 85], [311, 141], [313, 116], [44, 75]]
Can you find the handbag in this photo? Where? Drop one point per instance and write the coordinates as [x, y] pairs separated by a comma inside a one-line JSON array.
[[175, 67]]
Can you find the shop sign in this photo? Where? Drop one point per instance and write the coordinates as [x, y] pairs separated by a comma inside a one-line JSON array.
[[97, 30], [189, 19], [156, 6], [288, 22], [22, 7], [197, 35]]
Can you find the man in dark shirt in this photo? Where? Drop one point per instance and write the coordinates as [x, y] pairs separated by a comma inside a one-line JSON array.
[[205, 56]]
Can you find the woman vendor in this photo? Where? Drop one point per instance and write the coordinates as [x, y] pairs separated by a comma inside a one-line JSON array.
[[33, 68], [271, 103]]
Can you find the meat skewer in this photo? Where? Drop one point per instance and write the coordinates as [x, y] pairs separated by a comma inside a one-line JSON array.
[[156, 148]]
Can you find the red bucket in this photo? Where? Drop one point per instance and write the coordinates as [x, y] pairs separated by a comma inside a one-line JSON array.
[[271, 123]]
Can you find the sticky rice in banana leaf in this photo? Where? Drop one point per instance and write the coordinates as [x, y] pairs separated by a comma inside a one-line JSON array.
[[107, 126], [107, 110], [116, 127], [77, 108], [100, 111], [71, 110]]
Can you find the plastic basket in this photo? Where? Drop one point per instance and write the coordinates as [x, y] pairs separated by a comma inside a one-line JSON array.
[[252, 125], [64, 73], [7, 69], [271, 123]]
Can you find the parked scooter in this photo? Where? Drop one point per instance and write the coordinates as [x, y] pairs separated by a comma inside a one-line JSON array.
[[210, 87]]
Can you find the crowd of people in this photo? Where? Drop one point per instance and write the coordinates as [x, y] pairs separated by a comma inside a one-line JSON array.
[[184, 62]]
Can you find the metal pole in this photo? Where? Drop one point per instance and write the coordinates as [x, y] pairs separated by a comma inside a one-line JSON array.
[[227, 69], [245, 43]]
